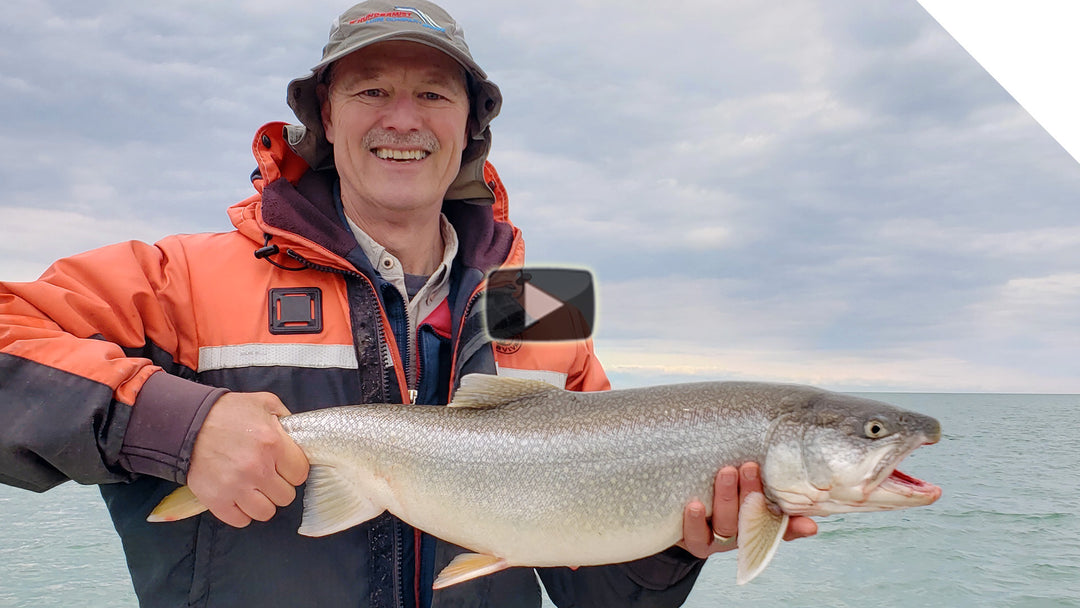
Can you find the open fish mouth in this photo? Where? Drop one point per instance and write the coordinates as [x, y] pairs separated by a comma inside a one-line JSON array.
[[902, 484], [894, 489]]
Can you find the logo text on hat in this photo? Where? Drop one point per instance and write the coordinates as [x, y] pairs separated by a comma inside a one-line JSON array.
[[400, 13]]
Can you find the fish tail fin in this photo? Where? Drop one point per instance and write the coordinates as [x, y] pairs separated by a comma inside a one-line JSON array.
[[760, 533], [468, 566], [331, 503], [180, 504]]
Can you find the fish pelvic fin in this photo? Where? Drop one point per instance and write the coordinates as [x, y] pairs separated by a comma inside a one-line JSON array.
[[331, 504], [468, 566], [485, 390], [180, 504], [760, 533]]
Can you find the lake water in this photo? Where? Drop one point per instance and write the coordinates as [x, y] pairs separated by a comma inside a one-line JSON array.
[[1005, 533]]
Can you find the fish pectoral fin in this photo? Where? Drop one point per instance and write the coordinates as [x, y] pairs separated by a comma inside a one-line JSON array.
[[331, 504], [468, 566], [760, 533], [180, 504], [485, 390]]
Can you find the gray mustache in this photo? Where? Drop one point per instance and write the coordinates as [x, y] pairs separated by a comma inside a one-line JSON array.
[[379, 138]]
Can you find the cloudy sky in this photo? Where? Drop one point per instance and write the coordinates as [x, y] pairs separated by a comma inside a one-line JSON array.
[[831, 192]]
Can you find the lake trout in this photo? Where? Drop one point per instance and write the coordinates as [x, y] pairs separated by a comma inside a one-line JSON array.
[[526, 474]]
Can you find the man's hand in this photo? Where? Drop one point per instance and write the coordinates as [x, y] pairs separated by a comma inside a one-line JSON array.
[[243, 465], [731, 486]]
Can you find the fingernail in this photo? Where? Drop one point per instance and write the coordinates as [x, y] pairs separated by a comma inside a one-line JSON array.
[[728, 477], [697, 510], [750, 473]]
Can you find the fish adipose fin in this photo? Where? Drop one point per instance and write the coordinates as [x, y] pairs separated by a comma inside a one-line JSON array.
[[180, 504], [484, 390], [760, 533], [468, 566], [331, 504]]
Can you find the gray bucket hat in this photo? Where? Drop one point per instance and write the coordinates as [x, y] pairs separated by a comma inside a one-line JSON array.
[[378, 21]]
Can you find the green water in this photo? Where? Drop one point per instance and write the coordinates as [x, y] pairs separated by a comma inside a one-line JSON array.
[[1005, 533]]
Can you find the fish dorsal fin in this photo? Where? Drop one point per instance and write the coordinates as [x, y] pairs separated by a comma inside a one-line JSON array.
[[760, 533], [331, 503], [484, 390], [468, 566]]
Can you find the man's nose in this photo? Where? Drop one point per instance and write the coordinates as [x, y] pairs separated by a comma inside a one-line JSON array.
[[402, 114]]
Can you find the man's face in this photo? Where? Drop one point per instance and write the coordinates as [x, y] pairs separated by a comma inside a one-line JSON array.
[[396, 113]]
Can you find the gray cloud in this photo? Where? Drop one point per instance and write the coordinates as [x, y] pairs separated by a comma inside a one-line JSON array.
[[821, 191]]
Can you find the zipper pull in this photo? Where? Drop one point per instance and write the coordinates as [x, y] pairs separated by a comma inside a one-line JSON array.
[[412, 396]]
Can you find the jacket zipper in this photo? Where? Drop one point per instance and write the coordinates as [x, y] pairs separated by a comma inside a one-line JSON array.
[[458, 344], [412, 357], [399, 582]]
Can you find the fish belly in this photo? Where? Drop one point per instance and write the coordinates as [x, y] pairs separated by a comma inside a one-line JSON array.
[[550, 514]]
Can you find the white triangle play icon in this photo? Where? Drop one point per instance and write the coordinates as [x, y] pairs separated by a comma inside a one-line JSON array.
[[537, 304]]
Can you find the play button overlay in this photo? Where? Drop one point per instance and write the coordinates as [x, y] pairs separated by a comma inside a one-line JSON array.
[[539, 304]]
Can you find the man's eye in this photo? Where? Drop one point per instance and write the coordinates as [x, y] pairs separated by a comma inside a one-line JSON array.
[[430, 96], [370, 93]]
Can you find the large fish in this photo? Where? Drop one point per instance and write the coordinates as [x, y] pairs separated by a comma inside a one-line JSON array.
[[526, 474]]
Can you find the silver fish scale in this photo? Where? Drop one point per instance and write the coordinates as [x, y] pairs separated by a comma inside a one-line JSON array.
[[558, 467]]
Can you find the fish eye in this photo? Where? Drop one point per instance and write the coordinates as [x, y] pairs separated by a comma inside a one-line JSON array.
[[875, 429]]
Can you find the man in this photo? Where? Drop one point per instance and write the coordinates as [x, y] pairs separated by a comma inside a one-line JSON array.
[[350, 277]]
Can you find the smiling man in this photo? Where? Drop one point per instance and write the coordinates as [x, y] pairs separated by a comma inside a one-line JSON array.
[[350, 277]]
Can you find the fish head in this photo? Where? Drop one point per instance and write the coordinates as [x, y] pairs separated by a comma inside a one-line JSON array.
[[832, 453]]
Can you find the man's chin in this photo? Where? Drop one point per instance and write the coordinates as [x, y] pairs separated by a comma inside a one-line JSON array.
[[394, 199]]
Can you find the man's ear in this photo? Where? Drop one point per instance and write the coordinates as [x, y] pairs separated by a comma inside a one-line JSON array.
[[323, 92]]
